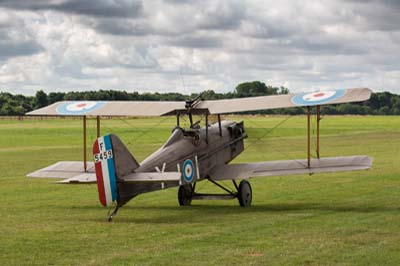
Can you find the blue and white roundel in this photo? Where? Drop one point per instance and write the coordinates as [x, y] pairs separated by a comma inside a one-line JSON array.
[[78, 107], [317, 98], [188, 170]]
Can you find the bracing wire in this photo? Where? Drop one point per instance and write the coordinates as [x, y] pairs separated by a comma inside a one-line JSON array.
[[145, 132], [142, 132], [278, 151], [267, 131]]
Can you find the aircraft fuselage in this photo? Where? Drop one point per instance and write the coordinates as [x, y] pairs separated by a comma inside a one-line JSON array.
[[195, 153]]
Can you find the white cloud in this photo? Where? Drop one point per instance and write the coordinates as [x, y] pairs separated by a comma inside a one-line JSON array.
[[151, 45]]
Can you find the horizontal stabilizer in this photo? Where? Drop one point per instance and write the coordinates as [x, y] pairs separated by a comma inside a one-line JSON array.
[[86, 178], [291, 167], [152, 177], [63, 169]]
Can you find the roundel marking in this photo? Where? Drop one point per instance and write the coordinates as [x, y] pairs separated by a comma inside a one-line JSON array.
[[188, 170], [78, 107], [316, 98]]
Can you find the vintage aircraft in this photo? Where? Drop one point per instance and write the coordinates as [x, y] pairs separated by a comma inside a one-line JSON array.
[[193, 154]]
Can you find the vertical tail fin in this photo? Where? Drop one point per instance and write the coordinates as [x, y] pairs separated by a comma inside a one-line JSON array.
[[112, 161], [105, 170]]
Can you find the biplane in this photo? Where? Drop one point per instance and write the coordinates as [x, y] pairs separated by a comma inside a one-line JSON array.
[[191, 154]]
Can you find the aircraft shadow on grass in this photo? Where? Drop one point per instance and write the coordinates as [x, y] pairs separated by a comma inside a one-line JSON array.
[[188, 215]]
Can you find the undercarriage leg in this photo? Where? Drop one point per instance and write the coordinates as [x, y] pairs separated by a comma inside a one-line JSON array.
[[235, 184], [243, 193]]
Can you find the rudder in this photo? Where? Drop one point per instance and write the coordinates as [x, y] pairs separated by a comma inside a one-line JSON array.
[[112, 162]]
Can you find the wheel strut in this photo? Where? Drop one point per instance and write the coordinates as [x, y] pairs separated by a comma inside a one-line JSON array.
[[186, 193]]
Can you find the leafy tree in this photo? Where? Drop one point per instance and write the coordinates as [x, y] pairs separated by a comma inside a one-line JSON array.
[[385, 110], [55, 97], [385, 99], [41, 99], [396, 102], [257, 88], [283, 90]]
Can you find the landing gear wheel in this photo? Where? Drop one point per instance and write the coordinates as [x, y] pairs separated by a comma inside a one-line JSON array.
[[244, 194], [185, 195]]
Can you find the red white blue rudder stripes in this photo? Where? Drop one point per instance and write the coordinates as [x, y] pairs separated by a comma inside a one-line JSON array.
[[105, 170]]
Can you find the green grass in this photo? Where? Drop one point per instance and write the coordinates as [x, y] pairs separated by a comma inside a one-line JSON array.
[[326, 219]]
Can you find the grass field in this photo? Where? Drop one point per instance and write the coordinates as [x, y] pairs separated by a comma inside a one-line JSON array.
[[350, 218]]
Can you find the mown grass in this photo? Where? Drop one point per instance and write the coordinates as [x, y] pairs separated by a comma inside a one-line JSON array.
[[326, 219]]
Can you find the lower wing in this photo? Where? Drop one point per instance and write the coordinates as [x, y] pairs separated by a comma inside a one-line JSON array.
[[291, 167]]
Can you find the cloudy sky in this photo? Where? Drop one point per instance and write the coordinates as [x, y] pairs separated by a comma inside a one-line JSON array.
[[189, 46]]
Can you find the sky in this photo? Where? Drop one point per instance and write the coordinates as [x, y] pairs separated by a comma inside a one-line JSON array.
[[191, 46]]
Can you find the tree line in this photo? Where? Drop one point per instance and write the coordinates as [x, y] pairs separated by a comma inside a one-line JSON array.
[[381, 103]]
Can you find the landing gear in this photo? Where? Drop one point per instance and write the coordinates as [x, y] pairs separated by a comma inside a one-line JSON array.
[[244, 194], [185, 194]]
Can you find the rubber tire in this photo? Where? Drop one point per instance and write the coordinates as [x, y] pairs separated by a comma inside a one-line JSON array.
[[185, 195], [245, 194]]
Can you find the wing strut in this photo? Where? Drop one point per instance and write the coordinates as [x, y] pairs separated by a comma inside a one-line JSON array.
[[318, 119], [207, 128], [219, 125], [98, 126], [84, 144], [84, 120], [309, 133], [308, 137]]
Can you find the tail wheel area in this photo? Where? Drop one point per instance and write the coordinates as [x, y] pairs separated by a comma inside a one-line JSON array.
[[185, 194], [244, 194]]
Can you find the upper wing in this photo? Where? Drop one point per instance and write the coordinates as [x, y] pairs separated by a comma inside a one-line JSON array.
[[152, 108], [285, 101], [108, 108], [291, 167]]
